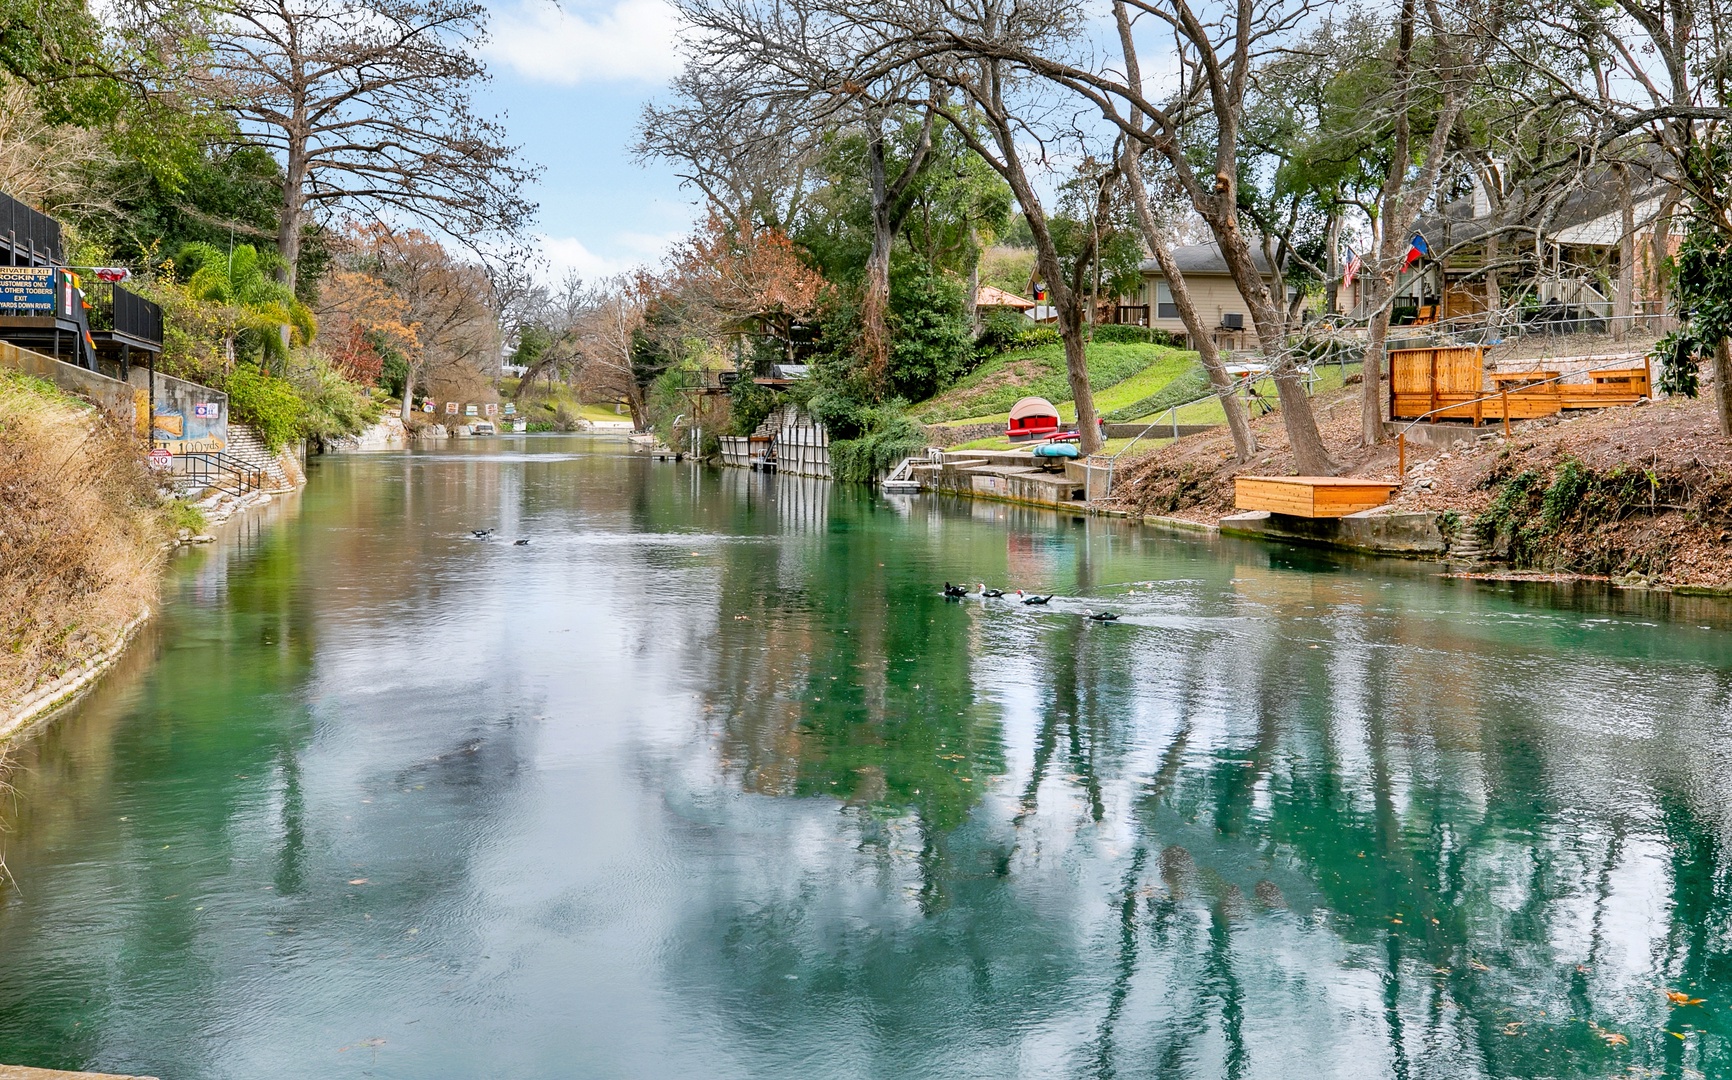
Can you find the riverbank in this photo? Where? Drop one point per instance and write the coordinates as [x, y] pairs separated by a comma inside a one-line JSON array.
[[84, 536], [1637, 496]]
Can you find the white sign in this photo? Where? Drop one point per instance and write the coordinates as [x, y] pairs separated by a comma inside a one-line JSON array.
[[470, 410], [160, 458]]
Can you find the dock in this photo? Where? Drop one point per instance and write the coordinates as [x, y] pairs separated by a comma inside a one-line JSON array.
[[20, 1072], [1311, 496]]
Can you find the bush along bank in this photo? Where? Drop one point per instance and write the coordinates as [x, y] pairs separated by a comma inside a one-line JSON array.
[[82, 536], [1657, 524]]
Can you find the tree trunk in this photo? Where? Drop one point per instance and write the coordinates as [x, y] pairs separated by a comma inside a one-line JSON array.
[[1310, 456], [1723, 385], [292, 213], [1371, 375], [1626, 287], [874, 306], [408, 394], [1244, 442]]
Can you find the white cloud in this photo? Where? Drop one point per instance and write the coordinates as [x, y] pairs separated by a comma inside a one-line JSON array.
[[568, 255], [633, 41]]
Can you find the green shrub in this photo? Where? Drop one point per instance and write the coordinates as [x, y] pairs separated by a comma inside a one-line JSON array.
[[1119, 334], [1036, 336], [334, 405], [269, 404], [930, 346], [184, 515], [1000, 330], [888, 437]]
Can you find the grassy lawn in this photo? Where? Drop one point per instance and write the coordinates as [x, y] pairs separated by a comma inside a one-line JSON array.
[[988, 392], [1198, 412]]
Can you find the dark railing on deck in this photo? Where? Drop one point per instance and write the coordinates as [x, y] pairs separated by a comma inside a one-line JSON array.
[[135, 315], [27, 238]]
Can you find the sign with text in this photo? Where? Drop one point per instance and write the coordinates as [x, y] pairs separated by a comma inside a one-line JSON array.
[[470, 410], [27, 287], [510, 408]]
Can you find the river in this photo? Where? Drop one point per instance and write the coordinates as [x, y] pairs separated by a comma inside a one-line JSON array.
[[708, 779]]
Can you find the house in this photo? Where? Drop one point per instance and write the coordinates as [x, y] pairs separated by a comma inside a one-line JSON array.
[[1216, 298], [1560, 253], [988, 298]]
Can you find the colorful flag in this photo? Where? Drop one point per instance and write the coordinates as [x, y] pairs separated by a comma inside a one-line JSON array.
[[1417, 249], [112, 274], [1353, 264]]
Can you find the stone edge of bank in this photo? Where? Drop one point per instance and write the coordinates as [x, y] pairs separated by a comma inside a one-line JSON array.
[[42, 701]]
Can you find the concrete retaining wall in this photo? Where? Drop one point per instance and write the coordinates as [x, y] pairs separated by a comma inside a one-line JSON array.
[[189, 417], [125, 403], [1381, 532]]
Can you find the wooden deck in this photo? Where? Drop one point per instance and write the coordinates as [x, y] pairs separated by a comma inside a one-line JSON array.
[[1310, 496], [1451, 384]]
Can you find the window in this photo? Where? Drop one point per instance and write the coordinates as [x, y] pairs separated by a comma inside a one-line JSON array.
[[1164, 306]]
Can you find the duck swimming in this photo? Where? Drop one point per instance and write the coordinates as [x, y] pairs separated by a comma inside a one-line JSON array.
[[1035, 598], [521, 543], [955, 592], [1103, 616], [480, 534], [989, 594]]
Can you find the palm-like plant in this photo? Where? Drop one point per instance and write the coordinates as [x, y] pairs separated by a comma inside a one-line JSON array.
[[264, 313]]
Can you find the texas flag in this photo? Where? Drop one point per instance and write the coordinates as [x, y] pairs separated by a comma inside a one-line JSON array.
[[1415, 250]]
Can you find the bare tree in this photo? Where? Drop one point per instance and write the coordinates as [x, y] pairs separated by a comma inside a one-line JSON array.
[[366, 103], [1217, 50], [750, 155], [816, 65]]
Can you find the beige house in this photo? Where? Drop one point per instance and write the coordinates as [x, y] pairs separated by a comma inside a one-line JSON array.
[[1217, 299]]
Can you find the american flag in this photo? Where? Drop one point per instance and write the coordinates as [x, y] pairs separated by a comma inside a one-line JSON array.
[[1353, 264]]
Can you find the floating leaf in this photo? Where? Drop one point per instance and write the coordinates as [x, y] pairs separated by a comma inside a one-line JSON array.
[[1678, 997], [358, 881]]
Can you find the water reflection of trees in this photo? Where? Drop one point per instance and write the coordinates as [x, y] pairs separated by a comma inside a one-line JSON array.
[[1394, 828]]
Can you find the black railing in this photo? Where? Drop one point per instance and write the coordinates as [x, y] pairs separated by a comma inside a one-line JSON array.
[[123, 312], [224, 472], [28, 238], [135, 315]]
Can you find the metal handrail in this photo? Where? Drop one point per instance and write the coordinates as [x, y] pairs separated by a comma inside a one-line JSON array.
[[216, 469]]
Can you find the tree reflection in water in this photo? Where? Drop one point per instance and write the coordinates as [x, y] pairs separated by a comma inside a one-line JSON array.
[[1291, 820]]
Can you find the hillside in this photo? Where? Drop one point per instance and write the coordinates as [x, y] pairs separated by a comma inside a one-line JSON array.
[[989, 391]]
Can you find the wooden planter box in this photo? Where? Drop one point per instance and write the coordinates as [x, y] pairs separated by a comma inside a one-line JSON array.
[[1310, 496]]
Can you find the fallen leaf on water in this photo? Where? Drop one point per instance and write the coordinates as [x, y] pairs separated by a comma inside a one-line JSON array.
[[1679, 998], [1676, 1035], [358, 881], [1514, 1027], [1477, 966]]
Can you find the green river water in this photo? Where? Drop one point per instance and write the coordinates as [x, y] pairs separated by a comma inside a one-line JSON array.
[[709, 781]]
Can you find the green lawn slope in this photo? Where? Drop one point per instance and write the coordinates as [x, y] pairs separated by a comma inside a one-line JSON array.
[[1119, 374]]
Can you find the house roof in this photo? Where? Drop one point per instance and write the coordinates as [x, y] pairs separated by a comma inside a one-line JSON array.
[[1587, 212], [992, 296], [1202, 259]]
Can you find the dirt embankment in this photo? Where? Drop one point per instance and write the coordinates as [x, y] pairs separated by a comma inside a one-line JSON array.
[[1639, 494], [81, 535]]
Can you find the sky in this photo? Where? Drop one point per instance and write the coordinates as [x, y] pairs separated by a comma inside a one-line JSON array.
[[571, 79]]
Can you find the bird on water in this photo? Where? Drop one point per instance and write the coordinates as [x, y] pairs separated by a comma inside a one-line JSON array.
[[955, 592], [1103, 616], [989, 594], [1035, 598]]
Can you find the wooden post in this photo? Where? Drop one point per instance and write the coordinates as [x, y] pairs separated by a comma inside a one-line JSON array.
[[1505, 393], [1433, 354], [1401, 456]]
